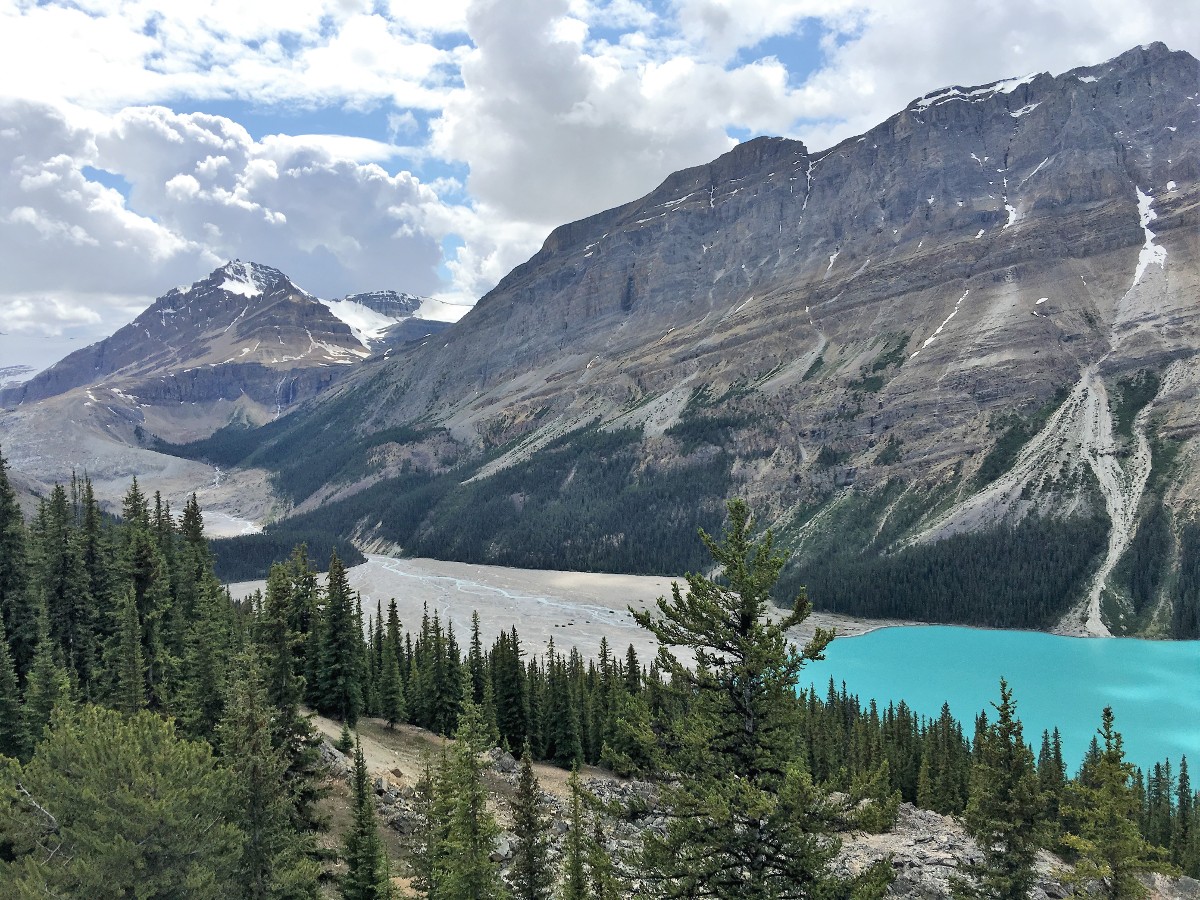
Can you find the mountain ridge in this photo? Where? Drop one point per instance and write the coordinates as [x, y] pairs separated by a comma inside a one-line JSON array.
[[932, 336]]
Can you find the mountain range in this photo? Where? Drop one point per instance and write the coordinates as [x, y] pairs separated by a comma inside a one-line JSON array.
[[953, 362]]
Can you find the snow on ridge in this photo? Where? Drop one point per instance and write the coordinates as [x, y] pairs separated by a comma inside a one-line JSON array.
[[242, 278], [367, 324], [974, 95], [1150, 252]]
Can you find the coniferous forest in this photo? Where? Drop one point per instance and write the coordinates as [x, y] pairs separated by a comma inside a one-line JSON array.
[[155, 739]]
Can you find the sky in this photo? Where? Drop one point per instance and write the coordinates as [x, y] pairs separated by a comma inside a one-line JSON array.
[[430, 146]]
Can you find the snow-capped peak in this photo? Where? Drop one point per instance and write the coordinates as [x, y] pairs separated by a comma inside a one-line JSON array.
[[247, 279]]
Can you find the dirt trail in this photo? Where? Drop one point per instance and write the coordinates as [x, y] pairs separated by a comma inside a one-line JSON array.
[[399, 753]]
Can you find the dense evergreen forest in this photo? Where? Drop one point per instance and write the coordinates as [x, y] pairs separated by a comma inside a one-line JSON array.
[[154, 743]]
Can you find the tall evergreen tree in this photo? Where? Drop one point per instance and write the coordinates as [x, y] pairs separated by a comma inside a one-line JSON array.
[[367, 876], [276, 860], [123, 660], [763, 834], [1004, 812], [340, 669], [464, 869], [574, 873], [1104, 807], [47, 687], [12, 732], [18, 606], [530, 875]]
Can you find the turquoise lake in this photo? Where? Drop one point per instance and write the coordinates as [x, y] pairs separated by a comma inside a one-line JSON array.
[[1152, 686]]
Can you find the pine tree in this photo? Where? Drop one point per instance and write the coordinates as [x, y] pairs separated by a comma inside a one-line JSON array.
[[275, 860], [339, 674], [1004, 812], [762, 834], [463, 869], [531, 876], [126, 670], [1104, 807], [12, 734], [117, 806], [366, 878], [574, 874]]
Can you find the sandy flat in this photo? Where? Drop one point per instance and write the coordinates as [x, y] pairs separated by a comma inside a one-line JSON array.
[[572, 608]]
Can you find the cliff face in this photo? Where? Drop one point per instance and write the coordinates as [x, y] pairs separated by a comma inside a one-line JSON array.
[[988, 299]]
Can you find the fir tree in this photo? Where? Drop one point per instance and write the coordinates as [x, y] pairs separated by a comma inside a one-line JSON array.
[[339, 675], [1004, 813], [574, 874], [764, 833], [275, 860], [530, 875], [1104, 807], [367, 877], [463, 869]]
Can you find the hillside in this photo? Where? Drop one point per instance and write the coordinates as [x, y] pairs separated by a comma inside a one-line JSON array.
[[953, 359]]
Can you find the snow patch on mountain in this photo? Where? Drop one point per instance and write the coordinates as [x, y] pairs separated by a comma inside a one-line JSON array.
[[1150, 252], [367, 324]]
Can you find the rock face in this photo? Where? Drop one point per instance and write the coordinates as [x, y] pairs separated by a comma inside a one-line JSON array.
[[926, 849], [885, 311]]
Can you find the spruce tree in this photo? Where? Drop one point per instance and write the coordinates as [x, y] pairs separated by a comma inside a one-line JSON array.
[[12, 733], [1004, 812], [367, 875], [463, 869], [530, 875], [745, 820], [1104, 807], [275, 860], [46, 688], [123, 660], [340, 657], [391, 688], [574, 874], [18, 606]]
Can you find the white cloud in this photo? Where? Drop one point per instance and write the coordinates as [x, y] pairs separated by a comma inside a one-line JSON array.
[[555, 108], [204, 191]]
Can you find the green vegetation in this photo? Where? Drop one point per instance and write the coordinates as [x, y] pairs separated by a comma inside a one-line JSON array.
[[1015, 432], [1023, 576], [583, 502], [1143, 572], [153, 744], [1132, 395], [814, 369], [758, 835], [247, 557]]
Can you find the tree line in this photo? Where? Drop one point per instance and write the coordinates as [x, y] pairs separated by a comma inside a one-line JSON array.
[[153, 738]]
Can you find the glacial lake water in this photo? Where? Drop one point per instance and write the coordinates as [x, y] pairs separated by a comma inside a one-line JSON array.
[[1152, 686]]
